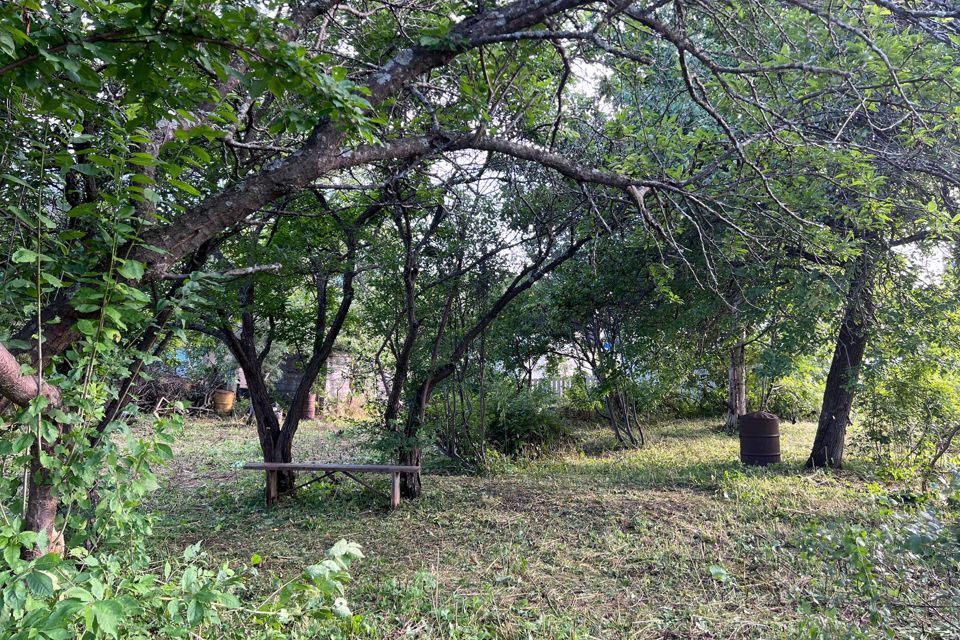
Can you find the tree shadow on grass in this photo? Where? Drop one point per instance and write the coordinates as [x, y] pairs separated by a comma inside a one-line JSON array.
[[665, 469], [687, 466]]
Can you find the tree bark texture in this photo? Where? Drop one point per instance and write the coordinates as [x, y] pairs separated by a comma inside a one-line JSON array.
[[840, 391], [736, 385], [42, 503]]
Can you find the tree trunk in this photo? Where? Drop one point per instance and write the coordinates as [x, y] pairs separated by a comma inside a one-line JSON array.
[[844, 372], [272, 443], [736, 386], [42, 501], [41, 514], [276, 440], [612, 417], [410, 483], [279, 482], [411, 452], [268, 426]]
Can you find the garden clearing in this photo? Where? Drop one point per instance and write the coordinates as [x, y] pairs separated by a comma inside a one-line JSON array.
[[675, 540]]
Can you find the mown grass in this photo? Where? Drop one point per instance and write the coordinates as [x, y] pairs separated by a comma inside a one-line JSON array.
[[674, 540]]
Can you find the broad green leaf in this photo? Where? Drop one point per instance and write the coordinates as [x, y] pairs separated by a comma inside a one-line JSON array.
[[23, 255], [40, 583], [132, 269], [185, 187], [87, 327], [108, 615]]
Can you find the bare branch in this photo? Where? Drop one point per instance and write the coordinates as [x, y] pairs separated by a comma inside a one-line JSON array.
[[232, 273], [21, 389]]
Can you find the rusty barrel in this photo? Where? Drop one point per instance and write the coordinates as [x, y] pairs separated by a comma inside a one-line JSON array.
[[310, 406], [759, 438], [223, 401]]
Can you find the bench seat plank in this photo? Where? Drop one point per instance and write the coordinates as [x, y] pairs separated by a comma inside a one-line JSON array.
[[322, 466]]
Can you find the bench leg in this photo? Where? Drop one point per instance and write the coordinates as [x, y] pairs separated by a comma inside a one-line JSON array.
[[394, 490], [272, 490]]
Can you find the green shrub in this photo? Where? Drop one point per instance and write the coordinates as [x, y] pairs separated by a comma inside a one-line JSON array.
[[116, 595], [906, 416], [796, 397], [523, 422], [577, 401], [871, 581], [107, 585]]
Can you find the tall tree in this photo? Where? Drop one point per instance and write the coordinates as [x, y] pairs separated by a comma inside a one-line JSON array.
[[141, 97]]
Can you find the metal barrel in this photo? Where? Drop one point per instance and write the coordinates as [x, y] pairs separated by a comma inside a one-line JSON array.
[[759, 438]]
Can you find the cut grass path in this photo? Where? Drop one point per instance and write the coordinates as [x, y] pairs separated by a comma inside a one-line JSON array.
[[675, 540]]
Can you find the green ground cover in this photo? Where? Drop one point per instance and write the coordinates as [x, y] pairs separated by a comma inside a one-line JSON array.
[[674, 540]]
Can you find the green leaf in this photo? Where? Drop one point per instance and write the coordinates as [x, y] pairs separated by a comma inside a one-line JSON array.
[[719, 573], [195, 612], [60, 614], [11, 555], [132, 269], [40, 583], [344, 549], [82, 210], [141, 178], [87, 327], [183, 186], [15, 180], [52, 280], [23, 442], [48, 561], [78, 593], [7, 45], [143, 159], [229, 600], [85, 169], [201, 153], [23, 254], [108, 614]]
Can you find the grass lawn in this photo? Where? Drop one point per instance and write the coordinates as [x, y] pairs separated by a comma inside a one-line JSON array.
[[674, 540]]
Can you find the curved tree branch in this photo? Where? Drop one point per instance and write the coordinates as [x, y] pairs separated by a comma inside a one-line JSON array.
[[21, 389]]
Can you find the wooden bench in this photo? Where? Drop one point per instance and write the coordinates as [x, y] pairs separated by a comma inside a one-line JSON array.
[[330, 470]]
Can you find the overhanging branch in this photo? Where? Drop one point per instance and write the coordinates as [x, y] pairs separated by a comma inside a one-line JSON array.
[[232, 273], [21, 389]]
